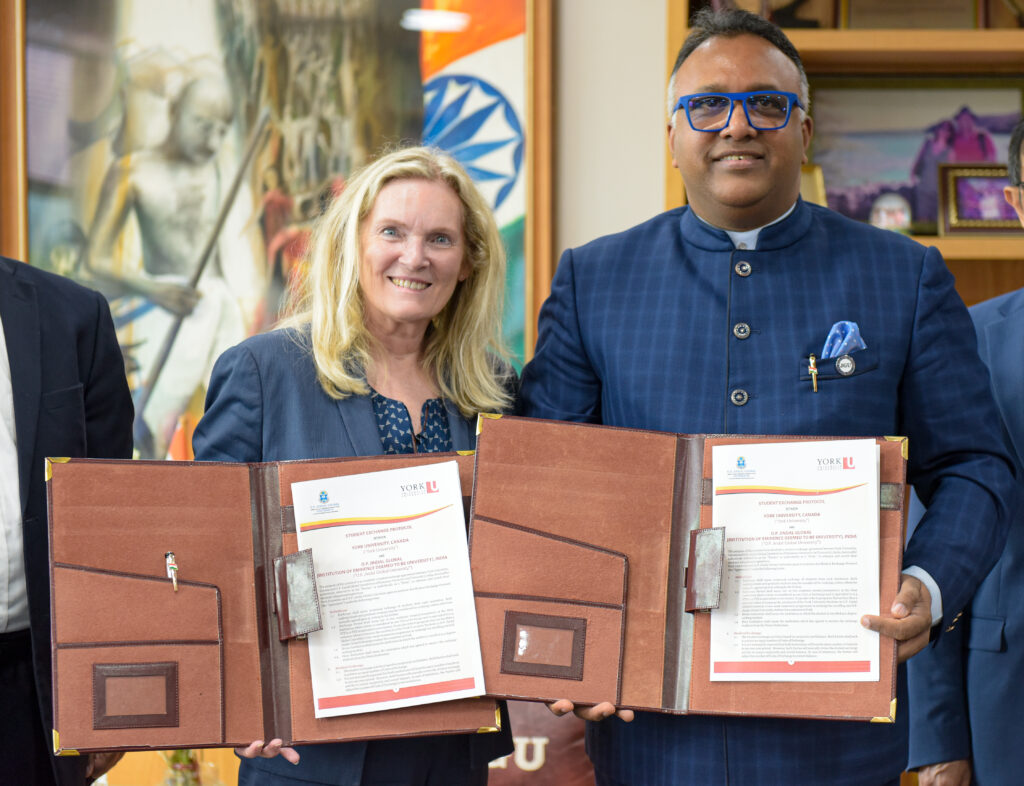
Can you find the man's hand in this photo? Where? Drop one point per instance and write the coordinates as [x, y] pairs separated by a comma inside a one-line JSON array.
[[594, 712], [947, 773], [257, 750], [911, 618]]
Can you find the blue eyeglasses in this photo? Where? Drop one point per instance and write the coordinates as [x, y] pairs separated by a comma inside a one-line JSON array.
[[766, 110]]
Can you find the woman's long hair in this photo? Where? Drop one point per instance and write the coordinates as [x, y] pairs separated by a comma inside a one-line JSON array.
[[463, 348]]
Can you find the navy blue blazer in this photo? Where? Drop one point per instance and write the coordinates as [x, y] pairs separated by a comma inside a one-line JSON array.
[[667, 326], [966, 692], [264, 403], [71, 398]]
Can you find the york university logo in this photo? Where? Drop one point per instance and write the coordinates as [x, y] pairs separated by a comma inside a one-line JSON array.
[[836, 464], [418, 489]]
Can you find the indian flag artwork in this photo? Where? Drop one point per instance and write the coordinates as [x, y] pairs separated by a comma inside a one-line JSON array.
[[474, 93]]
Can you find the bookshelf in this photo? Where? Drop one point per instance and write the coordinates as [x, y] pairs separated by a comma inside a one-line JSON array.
[[984, 265]]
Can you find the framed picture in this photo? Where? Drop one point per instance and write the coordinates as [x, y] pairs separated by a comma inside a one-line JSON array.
[[889, 136], [971, 199], [337, 82], [919, 14], [812, 184], [1004, 13], [784, 13]]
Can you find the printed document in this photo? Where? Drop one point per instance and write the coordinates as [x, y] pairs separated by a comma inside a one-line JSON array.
[[395, 592], [801, 561]]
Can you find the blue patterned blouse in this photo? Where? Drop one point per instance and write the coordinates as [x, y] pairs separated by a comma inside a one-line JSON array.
[[395, 426]]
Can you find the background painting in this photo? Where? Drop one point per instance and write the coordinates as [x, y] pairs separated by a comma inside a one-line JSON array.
[[888, 138], [138, 116], [339, 79]]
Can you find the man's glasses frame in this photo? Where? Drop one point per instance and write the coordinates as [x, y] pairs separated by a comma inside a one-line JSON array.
[[792, 101]]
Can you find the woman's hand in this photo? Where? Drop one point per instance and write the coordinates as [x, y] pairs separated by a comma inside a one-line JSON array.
[[594, 712]]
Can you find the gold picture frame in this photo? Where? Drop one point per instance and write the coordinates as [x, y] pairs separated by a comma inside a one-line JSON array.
[[971, 199], [812, 185], [912, 14], [810, 14], [13, 180]]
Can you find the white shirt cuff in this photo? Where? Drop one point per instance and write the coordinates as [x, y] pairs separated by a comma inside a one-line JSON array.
[[933, 590]]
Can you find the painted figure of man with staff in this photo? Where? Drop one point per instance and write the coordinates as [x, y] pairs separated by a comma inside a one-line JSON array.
[[178, 198]]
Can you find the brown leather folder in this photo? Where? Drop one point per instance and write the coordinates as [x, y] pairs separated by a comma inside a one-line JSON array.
[[138, 665], [580, 545]]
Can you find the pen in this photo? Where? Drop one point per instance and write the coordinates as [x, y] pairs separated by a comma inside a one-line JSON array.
[[812, 369], [172, 569]]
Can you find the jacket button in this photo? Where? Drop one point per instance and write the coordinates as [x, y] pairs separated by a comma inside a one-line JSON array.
[[741, 330], [742, 268], [739, 397]]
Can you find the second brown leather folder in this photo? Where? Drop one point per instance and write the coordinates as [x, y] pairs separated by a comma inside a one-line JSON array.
[[579, 543]]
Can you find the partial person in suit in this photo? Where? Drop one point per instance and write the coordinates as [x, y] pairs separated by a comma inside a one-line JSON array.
[[711, 318], [966, 691], [63, 392], [395, 348]]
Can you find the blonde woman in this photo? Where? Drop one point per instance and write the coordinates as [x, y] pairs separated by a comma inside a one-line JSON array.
[[394, 347]]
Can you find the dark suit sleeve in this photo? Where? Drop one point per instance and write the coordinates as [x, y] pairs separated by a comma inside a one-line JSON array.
[[958, 465], [108, 403], [560, 383], [939, 726], [232, 427]]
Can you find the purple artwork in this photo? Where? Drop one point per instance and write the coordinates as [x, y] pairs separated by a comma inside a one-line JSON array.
[[981, 199], [871, 142], [962, 139]]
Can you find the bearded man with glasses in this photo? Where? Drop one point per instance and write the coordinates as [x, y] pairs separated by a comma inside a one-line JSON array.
[[750, 311]]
